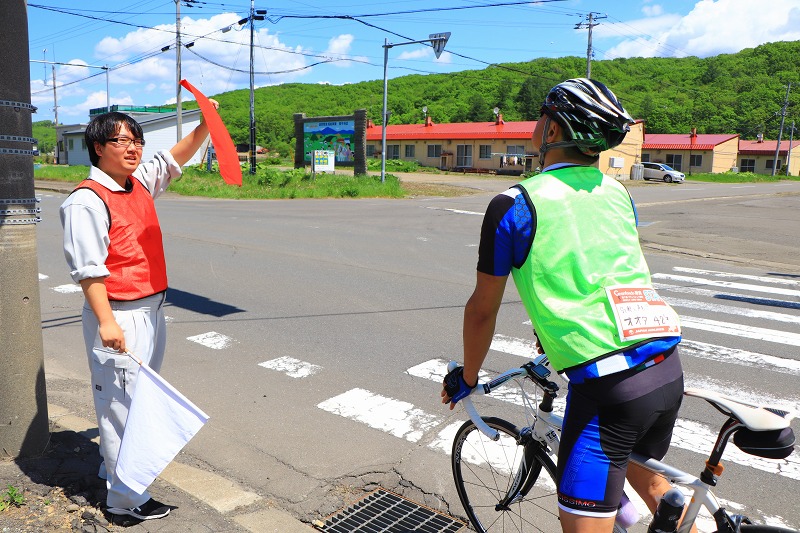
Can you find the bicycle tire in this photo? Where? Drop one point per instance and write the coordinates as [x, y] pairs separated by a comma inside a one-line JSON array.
[[484, 470], [760, 528]]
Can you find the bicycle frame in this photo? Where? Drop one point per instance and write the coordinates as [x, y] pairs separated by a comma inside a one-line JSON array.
[[547, 427]]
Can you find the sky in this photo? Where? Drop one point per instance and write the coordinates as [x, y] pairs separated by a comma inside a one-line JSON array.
[[314, 41]]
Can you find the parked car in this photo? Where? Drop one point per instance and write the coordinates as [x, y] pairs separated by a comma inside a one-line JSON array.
[[660, 171]]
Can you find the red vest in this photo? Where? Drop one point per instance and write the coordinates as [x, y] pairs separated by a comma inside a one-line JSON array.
[[136, 253]]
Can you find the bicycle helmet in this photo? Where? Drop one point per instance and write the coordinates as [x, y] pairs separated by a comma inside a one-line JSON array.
[[593, 119]]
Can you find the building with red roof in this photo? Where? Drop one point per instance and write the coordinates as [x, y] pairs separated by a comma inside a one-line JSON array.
[[759, 155], [692, 152], [497, 146]]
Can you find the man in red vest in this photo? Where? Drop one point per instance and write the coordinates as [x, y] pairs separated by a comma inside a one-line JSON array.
[[113, 246]]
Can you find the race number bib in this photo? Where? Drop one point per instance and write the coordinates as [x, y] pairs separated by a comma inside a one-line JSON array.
[[641, 313]]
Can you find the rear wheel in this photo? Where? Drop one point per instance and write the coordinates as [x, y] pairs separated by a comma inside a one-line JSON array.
[[758, 528], [486, 470]]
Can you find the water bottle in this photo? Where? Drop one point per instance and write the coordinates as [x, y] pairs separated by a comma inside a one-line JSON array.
[[668, 513]]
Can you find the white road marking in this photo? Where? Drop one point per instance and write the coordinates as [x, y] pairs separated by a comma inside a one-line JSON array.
[[457, 211], [43, 276], [727, 284], [688, 435], [294, 368], [739, 330], [718, 274], [703, 350], [395, 417], [743, 394], [212, 339], [731, 310], [68, 288], [724, 295]]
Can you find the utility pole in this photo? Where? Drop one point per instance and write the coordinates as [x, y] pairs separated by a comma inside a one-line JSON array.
[[789, 151], [24, 426], [55, 96], [178, 104], [591, 18], [780, 131], [254, 16]]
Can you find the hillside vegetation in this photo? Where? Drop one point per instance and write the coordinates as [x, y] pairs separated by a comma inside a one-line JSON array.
[[732, 93]]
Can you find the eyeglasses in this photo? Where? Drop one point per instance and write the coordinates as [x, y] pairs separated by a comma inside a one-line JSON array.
[[125, 142]]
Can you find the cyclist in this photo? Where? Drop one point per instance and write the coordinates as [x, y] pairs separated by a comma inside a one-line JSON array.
[[568, 237]]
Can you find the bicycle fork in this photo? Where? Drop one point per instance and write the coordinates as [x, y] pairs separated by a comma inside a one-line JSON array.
[[521, 485]]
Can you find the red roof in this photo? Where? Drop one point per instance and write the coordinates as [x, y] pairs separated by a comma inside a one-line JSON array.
[[765, 147], [683, 141], [459, 130]]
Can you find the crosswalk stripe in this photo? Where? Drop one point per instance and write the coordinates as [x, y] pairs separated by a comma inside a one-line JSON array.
[[688, 435], [727, 284], [739, 330], [716, 273], [395, 417], [697, 291], [294, 368], [731, 310], [734, 356]]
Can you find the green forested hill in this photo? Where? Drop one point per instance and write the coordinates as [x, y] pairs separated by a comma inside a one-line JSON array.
[[732, 93]]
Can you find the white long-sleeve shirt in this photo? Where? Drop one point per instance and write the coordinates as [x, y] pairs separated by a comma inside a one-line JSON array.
[[86, 220]]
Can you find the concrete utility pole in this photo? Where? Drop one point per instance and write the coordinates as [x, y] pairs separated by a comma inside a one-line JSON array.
[[780, 131], [24, 429], [178, 104], [591, 17]]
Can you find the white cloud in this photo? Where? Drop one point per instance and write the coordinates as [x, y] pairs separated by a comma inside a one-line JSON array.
[[653, 10], [712, 27]]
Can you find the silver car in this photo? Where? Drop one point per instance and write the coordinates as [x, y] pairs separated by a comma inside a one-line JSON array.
[[660, 171]]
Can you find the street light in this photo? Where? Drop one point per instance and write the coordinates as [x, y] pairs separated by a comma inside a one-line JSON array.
[[437, 40]]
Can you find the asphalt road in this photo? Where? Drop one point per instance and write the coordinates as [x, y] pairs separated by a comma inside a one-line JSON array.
[[300, 326]]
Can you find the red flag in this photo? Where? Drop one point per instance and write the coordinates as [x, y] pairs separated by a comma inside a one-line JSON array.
[[227, 157]]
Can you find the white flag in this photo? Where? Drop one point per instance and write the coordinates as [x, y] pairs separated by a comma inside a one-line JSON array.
[[161, 421]]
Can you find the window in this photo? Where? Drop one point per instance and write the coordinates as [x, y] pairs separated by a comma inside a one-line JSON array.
[[645, 158], [485, 151], [515, 149], [71, 144], [747, 165], [392, 151], [770, 162], [410, 150], [464, 155], [370, 150], [675, 161], [695, 160], [83, 145], [434, 150]]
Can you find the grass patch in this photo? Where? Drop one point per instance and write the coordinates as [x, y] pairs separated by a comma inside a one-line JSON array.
[[11, 496], [267, 183], [740, 177]]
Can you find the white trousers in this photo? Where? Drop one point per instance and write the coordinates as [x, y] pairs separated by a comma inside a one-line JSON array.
[[114, 379]]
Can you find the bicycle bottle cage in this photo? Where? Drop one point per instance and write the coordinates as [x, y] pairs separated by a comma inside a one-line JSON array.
[[766, 432]]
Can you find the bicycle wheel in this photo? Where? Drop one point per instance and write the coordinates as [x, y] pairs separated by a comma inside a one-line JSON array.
[[485, 472], [758, 528]]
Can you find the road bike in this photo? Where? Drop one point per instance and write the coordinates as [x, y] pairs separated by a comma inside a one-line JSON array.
[[505, 475]]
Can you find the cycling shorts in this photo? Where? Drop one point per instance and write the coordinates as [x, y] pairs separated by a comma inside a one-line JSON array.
[[606, 419]]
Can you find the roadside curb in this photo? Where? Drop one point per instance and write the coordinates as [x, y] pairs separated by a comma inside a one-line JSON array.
[[710, 255], [222, 495]]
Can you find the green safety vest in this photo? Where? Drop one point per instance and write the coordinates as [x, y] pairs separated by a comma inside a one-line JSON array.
[[585, 240]]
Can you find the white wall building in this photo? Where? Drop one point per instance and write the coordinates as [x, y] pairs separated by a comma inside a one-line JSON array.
[[160, 133]]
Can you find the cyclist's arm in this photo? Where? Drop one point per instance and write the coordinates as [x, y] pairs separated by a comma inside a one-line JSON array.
[[480, 316]]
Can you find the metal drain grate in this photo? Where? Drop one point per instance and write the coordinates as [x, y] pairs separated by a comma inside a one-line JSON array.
[[384, 512]]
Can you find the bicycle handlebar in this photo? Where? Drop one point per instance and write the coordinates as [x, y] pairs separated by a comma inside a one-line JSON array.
[[485, 388]]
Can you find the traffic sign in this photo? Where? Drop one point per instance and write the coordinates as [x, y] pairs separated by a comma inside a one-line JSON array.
[[438, 40]]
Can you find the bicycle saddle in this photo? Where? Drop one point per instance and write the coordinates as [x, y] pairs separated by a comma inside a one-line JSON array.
[[755, 418]]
